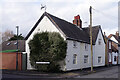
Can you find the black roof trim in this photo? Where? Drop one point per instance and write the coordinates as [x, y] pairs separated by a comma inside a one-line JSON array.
[[69, 30], [34, 27]]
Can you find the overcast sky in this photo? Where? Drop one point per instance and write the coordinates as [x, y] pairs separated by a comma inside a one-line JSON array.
[[25, 13]]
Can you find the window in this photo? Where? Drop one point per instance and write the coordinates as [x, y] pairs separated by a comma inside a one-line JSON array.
[[8, 44], [85, 58], [86, 47], [74, 44], [115, 59], [99, 59], [110, 57], [74, 58], [109, 45], [15, 43], [38, 29], [99, 41]]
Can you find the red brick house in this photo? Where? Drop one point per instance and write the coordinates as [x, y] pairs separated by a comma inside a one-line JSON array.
[[9, 52], [111, 49]]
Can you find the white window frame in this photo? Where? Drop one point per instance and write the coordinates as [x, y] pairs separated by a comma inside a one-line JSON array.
[[74, 58], [109, 44], [110, 57], [99, 41], [86, 47], [74, 44], [99, 57], [85, 58], [115, 58], [8, 43]]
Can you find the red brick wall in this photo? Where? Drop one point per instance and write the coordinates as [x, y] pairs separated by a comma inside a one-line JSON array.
[[9, 61]]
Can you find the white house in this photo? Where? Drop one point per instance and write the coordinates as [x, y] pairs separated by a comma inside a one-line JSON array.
[[113, 50], [78, 41], [119, 31]]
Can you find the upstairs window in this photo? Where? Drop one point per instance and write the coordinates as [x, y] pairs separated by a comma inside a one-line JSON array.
[[8, 43], [74, 58], [86, 47], [99, 41], [109, 45], [15, 43], [74, 44]]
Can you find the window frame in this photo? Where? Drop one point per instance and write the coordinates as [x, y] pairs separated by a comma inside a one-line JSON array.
[[74, 58], [99, 57], [85, 59], [110, 44], [86, 47], [115, 58], [74, 44], [99, 41]]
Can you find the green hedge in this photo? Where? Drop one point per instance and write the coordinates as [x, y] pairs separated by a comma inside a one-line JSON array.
[[47, 47]]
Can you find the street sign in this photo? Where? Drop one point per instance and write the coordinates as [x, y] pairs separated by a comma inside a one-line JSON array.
[[42, 62]]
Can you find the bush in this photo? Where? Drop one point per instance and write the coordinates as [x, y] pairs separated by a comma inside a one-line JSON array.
[[47, 47]]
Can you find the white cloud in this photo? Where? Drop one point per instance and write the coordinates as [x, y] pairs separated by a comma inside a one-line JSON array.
[[109, 31], [25, 13], [20, 0]]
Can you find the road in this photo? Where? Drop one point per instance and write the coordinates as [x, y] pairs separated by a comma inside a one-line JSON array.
[[111, 72]]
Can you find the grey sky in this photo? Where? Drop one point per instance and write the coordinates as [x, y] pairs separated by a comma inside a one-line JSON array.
[[25, 13]]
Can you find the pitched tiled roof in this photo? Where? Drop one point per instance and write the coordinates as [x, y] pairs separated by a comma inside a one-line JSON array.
[[95, 31], [11, 45], [116, 37], [69, 30], [114, 49]]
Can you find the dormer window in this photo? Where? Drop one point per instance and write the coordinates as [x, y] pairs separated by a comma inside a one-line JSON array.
[[86, 47], [15, 43], [74, 44], [8, 43], [99, 41]]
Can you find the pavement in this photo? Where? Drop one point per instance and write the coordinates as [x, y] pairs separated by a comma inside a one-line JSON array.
[[68, 74]]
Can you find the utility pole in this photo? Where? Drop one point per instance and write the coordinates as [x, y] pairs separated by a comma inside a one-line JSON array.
[[17, 49], [91, 38]]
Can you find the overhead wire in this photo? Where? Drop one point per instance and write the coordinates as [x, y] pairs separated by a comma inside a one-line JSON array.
[[105, 15]]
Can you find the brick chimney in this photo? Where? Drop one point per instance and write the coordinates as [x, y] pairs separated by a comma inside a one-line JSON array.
[[77, 21]]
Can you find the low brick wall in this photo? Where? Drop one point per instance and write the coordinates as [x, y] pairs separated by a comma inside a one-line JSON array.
[[9, 61]]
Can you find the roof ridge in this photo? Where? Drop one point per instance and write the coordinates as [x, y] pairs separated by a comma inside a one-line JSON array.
[[60, 18], [92, 26]]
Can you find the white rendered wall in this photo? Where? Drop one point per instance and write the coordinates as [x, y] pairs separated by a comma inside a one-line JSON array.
[[99, 51], [113, 55], [119, 55], [44, 25], [80, 51]]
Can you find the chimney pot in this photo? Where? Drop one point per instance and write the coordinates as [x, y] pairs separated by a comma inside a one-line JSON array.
[[77, 21]]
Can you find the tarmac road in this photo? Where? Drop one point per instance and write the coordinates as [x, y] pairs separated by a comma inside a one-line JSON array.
[[105, 72], [110, 73]]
